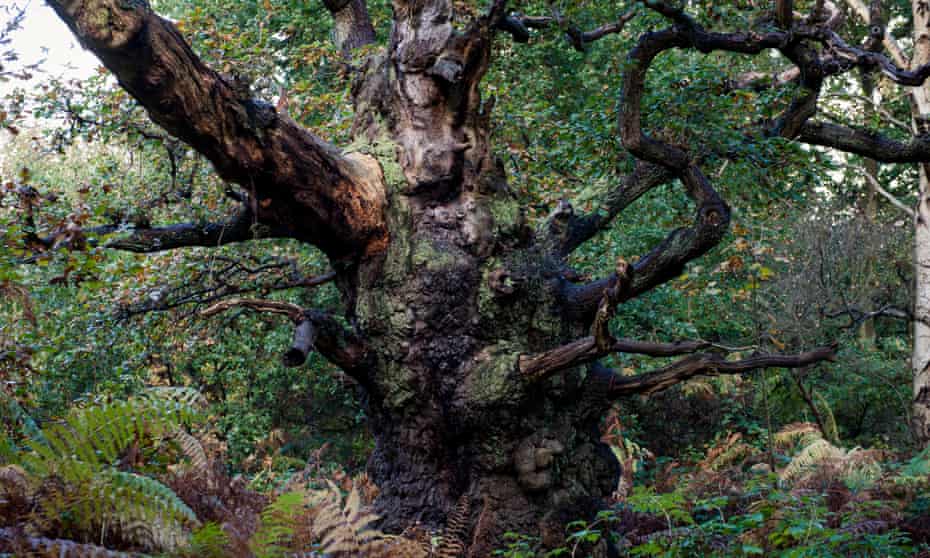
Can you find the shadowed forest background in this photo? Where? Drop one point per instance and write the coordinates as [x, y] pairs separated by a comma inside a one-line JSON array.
[[168, 333]]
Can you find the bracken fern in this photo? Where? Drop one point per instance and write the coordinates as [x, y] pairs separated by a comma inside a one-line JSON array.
[[83, 467]]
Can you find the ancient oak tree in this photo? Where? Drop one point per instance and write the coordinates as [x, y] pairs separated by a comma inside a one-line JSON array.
[[474, 344]]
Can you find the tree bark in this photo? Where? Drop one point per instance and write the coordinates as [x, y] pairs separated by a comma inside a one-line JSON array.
[[870, 206], [920, 360]]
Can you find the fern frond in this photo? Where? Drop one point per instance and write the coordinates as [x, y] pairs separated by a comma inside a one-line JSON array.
[[456, 531], [209, 541], [345, 528], [726, 452], [278, 525], [131, 507], [860, 469], [810, 457], [193, 451], [82, 453], [796, 434], [97, 436], [186, 397], [153, 499]]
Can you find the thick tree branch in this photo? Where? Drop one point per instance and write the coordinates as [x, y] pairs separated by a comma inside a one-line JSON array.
[[304, 339], [870, 59], [588, 349], [705, 364], [585, 350], [239, 229], [565, 230], [865, 142], [667, 260], [301, 183], [141, 238]]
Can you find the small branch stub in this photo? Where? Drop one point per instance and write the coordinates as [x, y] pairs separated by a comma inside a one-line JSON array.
[[608, 306], [304, 339]]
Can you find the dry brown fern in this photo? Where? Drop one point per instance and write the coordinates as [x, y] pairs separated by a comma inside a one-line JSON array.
[[728, 452], [820, 462], [193, 450], [796, 433], [344, 529], [14, 484], [16, 495], [455, 534]]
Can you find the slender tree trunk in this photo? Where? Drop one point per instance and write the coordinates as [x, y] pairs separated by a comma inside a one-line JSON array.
[[870, 205], [920, 361]]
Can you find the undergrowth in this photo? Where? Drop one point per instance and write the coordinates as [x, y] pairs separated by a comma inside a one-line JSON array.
[[820, 500], [141, 477]]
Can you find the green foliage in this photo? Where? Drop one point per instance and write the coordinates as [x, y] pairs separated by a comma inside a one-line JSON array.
[[95, 463], [208, 541], [279, 521]]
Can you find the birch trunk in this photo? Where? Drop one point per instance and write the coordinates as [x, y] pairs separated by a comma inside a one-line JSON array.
[[920, 361]]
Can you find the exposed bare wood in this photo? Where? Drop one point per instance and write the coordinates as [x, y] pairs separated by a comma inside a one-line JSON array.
[[315, 329], [304, 339], [292, 311]]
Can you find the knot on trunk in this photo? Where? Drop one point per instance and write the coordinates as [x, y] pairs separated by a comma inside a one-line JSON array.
[[108, 24], [503, 283], [533, 462]]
